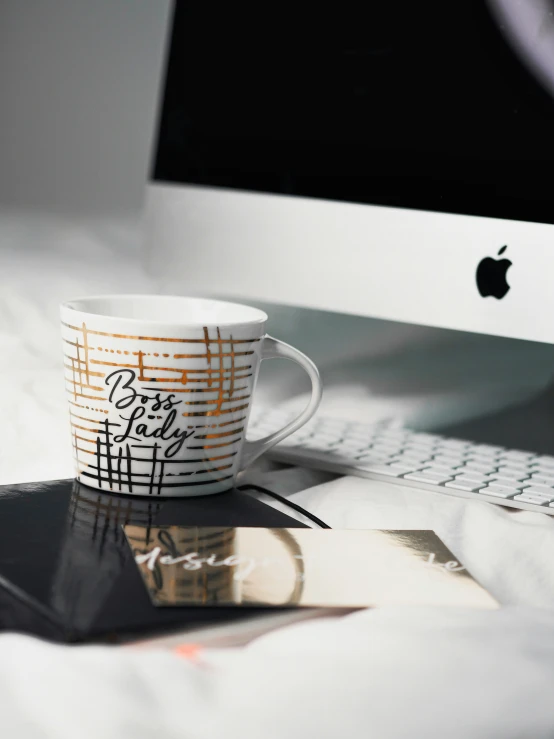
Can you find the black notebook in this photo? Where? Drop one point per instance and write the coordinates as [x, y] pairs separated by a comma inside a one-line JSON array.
[[67, 573]]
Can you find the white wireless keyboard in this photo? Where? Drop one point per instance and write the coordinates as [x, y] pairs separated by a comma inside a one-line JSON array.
[[385, 451]]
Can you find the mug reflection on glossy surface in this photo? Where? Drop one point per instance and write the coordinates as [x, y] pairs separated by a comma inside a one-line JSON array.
[[93, 550]]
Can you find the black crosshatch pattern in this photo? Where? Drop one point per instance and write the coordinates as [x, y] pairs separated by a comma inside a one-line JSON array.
[[420, 105]]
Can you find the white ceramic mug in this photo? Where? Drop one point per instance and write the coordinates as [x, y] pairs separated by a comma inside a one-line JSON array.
[[160, 389]]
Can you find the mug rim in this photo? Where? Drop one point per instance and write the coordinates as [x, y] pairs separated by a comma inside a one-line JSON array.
[[69, 305]]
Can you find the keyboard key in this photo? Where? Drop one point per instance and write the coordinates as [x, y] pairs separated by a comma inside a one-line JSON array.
[[412, 454], [354, 453], [360, 440], [393, 443], [334, 423], [336, 452], [503, 475], [480, 481], [477, 467], [507, 481], [429, 477], [416, 440], [387, 448], [314, 446], [353, 431], [487, 449], [542, 479], [532, 499], [290, 442], [391, 470], [482, 459], [361, 453], [324, 434], [413, 460], [336, 443], [513, 471], [515, 456], [440, 469], [314, 437], [454, 445], [331, 456], [396, 446], [338, 434], [461, 484], [496, 486], [354, 444], [349, 441], [467, 474], [420, 451], [379, 459], [539, 490], [318, 443], [498, 491], [538, 496], [544, 461], [396, 436], [448, 460], [433, 438], [545, 471]]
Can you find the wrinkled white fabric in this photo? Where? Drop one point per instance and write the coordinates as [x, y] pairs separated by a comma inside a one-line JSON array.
[[386, 673]]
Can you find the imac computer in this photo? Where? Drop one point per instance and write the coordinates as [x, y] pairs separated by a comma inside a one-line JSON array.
[[391, 160]]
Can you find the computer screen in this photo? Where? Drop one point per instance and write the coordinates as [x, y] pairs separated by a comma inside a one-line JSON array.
[[375, 160], [414, 105]]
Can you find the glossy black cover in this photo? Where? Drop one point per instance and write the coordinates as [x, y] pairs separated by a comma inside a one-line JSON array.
[[66, 571]]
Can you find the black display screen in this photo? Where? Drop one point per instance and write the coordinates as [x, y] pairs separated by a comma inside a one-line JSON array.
[[411, 104]]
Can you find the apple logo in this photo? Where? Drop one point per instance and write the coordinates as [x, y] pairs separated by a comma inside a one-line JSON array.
[[491, 276]]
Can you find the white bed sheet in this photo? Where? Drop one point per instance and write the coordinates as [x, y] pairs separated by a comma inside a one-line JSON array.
[[423, 672]]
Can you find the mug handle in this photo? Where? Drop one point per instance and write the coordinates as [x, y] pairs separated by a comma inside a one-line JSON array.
[[276, 349]]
